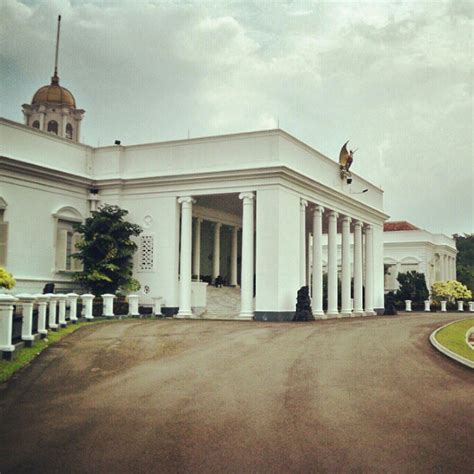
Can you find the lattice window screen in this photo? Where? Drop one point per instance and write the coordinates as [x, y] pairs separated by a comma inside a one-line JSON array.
[[146, 256]]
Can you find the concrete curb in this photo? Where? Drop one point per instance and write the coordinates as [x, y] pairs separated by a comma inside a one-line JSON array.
[[446, 351]]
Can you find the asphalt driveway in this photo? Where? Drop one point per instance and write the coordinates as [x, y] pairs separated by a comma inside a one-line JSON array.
[[359, 395]]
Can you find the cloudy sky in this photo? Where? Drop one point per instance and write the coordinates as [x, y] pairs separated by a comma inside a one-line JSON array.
[[396, 78]]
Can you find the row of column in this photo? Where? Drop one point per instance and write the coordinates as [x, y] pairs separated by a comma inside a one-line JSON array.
[[216, 257], [332, 270], [185, 257], [447, 267]]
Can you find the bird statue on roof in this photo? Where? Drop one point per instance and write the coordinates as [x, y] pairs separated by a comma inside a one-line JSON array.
[[345, 161]]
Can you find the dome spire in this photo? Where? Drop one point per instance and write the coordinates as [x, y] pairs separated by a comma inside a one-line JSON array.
[[55, 78]]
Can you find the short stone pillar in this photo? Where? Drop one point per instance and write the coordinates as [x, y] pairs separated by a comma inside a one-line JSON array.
[[6, 325], [26, 302], [408, 305], [133, 305], [443, 306], [108, 305], [87, 304], [52, 310], [427, 305], [471, 306], [157, 301], [62, 310], [42, 301], [72, 300], [460, 305]]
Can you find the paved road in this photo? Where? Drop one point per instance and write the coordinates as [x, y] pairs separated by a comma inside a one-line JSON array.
[[361, 395]]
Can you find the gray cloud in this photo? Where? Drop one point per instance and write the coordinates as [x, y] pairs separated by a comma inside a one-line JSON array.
[[394, 77]]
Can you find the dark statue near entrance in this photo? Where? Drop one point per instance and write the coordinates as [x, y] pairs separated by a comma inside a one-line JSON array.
[[303, 305]]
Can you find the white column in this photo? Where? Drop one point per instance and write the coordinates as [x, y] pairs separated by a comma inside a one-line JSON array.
[[309, 257], [332, 264], [358, 308], [346, 308], [216, 257], [303, 204], [42, 307], [53, 301], [454, 268], [62, 310], [26, 301], [369, 271], [317, 302], [72, 300], [108, 305], [133, 305], [247, 271], [197, 248], [233, 256], [87, 300], [185, 258], [6, 325], [443, 267]]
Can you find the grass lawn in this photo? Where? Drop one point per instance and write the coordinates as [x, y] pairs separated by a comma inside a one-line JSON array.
[[25, 355], [453, 337]]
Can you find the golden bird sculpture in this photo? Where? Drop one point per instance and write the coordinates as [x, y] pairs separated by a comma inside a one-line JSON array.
[[346, 157]]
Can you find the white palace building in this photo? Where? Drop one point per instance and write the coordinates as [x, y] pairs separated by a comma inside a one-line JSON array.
[[252, 208]]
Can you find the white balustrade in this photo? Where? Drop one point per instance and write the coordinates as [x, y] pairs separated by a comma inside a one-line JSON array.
[[53, 301], [72, 300], [87, 300], [6, 325], [443, 306], [108, 305], [26, 302], [471, 306], [133, 305], [460, 305], [408, 305], [62, 310], [427, 305], [42, 301]]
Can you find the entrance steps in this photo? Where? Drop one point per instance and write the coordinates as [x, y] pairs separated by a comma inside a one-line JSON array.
[[222, 303]]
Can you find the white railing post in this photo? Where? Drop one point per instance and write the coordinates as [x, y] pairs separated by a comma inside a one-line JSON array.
[[62, 310], [26, 301], [443, 306], [471, 306], [87, 304], [42, 301], [6, 325], [133, 305], [427, 305], [72, 300], [108, 305], [408, 305], [461, 305], [52, 311], [157, 301]]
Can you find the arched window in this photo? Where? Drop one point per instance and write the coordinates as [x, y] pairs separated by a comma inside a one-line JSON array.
[[36, 124], [53, 126], [69, 131]]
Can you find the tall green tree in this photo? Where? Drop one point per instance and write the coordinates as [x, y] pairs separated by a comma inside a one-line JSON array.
[[465, 259], [106, 251]]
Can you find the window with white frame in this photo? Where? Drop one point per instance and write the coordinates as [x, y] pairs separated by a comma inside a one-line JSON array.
[[66, 240]]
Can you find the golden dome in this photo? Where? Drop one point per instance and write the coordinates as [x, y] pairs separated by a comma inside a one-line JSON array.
[[54, 93]]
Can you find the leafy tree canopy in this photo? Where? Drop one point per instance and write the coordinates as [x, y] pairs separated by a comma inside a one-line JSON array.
[[412, 287], [465, 259], [106, 251], [450, 290]]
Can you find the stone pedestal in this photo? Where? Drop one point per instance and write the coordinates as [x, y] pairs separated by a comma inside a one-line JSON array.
[[6, 325], [108, 305], [72, 300], [427, 305], [443, 306], [53, 302], [460, 305], [133, 305], [408, 305], [87, 300], [62, 310], [471, 306], [42, 301], [26, 302], [157, 302]]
